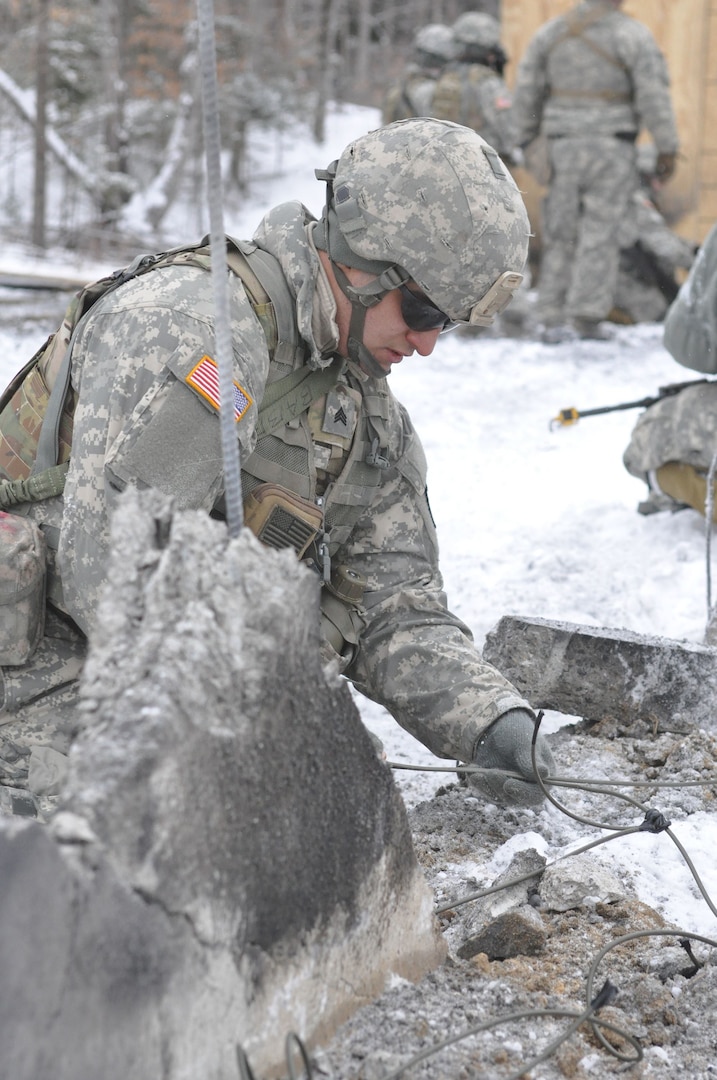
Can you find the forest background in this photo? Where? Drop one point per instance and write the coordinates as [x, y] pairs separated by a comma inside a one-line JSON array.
[[103, 97]]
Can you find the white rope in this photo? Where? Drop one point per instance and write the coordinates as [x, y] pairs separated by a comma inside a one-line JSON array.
[[220, 283], [709, 512]]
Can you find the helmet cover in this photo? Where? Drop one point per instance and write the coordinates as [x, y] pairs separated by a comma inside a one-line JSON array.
[[434, 199], [476, 28], [435, 39]]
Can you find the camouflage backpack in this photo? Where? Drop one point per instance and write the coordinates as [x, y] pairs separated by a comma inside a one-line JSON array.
[[454, 96]]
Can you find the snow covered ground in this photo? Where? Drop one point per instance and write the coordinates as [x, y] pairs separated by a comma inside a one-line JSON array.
[[532, 520]]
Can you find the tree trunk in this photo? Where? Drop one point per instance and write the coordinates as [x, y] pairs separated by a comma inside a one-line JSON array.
[[41, 60], [330, 12], [363, 47]]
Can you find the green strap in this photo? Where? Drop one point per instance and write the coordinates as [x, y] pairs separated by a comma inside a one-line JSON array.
[[44, 485], [287, 398]]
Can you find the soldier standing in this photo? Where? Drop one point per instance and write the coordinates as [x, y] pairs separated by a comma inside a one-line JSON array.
[[422, 228], [589, 81]]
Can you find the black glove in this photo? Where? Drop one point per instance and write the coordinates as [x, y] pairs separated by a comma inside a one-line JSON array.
[[506, 748], [665, 166]]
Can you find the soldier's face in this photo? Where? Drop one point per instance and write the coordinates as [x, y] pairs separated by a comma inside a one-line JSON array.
[[387, 335]]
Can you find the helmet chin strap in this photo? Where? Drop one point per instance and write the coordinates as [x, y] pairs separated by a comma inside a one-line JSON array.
[[361, 298]]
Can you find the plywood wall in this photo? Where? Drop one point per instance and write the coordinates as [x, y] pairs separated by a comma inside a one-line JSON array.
[[686, 31]]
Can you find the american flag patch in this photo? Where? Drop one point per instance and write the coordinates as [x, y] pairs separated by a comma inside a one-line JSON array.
[[204, 378]]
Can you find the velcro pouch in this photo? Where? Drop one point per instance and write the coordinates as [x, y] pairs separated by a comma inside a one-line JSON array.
[[280, 519], [22, 588]]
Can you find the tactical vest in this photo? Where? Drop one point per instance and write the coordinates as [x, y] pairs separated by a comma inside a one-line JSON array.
[[576, 24], [454, 96]]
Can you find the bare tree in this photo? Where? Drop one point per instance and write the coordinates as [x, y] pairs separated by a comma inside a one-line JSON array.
[[330, 15], [40, 185]]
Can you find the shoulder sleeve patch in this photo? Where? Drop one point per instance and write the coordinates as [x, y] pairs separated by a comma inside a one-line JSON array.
[[204, 379]]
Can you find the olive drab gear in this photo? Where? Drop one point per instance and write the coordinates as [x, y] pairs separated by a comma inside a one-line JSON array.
[[22, 588], [454, 98], [448, 216]]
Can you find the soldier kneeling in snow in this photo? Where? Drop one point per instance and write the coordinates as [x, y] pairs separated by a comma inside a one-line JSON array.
[[674, 442]]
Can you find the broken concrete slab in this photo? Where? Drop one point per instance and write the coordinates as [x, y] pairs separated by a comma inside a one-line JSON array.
[[596, 672], [503, 923], [231, 861]]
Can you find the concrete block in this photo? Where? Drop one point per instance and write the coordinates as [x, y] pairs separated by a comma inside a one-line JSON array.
[[231, 861], [596, 672]]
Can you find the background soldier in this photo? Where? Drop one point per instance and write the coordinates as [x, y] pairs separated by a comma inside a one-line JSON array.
[[412, 94], [472, 90], [337, 457], [650, 252], [589, 81], [674, 442]]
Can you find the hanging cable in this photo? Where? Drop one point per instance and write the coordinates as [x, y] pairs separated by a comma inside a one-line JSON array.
[[219, 269], [709, 513]]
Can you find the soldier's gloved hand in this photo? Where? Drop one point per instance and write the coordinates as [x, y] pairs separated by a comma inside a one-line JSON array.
[[506, 748], [665, 166]]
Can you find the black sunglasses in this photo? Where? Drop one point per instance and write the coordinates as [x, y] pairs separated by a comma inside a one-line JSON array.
[[421, 314]]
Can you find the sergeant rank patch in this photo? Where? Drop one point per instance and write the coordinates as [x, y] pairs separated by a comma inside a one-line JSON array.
[[204, 378]]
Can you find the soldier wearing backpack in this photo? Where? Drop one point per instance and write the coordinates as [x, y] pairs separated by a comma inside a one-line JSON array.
[[412, 94], [471, 89], [422, 228]]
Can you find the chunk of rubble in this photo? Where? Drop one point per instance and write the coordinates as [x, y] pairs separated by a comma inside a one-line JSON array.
[[579, 881], [504, 923], [231, 861]]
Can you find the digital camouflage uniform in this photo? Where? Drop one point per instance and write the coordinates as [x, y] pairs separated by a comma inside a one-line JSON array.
[[589, 81], [140, 419], [650, 255], [674, 442]]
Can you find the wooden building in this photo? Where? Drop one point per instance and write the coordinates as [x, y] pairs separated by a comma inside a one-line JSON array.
[[686, 31]]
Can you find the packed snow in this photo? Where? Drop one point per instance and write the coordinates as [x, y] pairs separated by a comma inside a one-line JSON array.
[[533, 518]]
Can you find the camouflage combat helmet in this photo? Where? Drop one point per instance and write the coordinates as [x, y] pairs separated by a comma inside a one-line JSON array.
[[434, 42], [429, 201], [476, 28]]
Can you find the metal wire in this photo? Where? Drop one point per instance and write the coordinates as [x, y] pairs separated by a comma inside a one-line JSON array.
[[220, 280], [709, 512]]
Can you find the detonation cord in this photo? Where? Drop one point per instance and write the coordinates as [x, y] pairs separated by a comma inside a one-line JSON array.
[[709, 513], [219, 267]]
